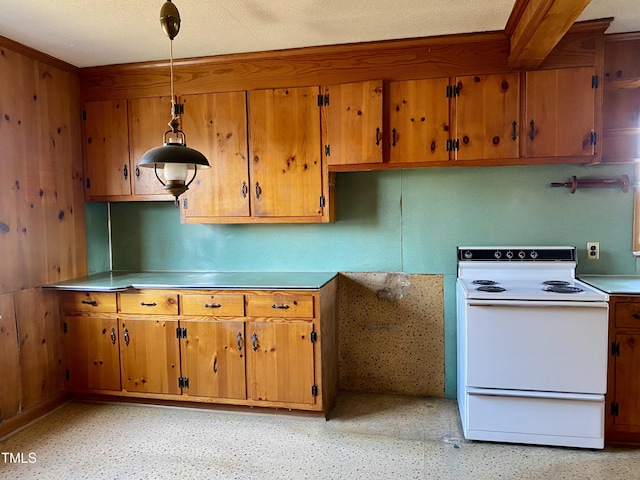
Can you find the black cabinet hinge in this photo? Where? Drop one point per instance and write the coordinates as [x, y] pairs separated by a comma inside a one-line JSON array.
[[322, 202], [314, 390], [314, 336], [185, 204], [181, 332], [453, 91], [615, 349], [183, 382], [327, 150], [593, 138], [453, 145], [323, 100], [594, 81], [178, 108], [615, 409]]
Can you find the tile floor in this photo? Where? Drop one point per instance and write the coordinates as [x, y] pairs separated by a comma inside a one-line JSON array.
[[367, 437]]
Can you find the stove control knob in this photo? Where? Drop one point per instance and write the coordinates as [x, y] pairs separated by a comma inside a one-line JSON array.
[[533, 254], [498, 254], [468, 254], [509, 254], [521, 254]]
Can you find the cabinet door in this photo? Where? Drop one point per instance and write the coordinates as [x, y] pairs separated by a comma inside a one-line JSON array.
[[213, 358], [106, 148], [91, 353], [149, 121], [352, 123], [486, 113], [284, 145], [560, 112], [627, 382], [281, 362], [150, 355], [419, 120], [216, 126]]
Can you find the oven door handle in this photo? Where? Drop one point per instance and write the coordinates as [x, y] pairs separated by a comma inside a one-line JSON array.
[[589, 397], [535, 304]]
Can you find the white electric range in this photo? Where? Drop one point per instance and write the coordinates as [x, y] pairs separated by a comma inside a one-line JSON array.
[[532, 347]]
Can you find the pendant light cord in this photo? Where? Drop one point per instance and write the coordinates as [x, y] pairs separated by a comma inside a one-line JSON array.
[[173, 97]]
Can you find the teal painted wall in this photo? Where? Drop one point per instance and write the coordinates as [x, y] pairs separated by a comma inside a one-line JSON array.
[[393, 221]]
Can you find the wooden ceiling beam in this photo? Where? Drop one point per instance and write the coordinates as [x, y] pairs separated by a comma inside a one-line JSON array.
[[535, 27]]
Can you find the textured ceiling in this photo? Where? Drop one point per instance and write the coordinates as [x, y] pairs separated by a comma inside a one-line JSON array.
[[102, 32]]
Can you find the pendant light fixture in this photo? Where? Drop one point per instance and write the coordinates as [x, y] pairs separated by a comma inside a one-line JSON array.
[[173, 157]]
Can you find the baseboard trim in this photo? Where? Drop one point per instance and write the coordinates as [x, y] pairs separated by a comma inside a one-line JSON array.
[[35, 413]]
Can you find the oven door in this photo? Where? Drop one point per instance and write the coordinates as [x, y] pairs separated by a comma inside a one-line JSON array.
[[537, 345]]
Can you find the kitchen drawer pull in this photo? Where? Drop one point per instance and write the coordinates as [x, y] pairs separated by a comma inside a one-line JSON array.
[[126, 336], [148, 304], [513, 134], [254, 341], [258, 190], [212, 305], [93, 303], [239, 341], [378, 136], [113, 336], [636, 316], [393, 137], [283, 307], [532, 132]]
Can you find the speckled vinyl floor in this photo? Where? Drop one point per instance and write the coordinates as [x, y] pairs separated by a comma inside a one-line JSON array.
[[368, 437]]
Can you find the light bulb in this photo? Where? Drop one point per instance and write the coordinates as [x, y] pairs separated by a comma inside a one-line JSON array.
[[175, 171]]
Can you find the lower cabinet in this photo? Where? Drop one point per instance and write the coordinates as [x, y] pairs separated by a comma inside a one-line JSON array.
[[623, 389], [256, 348]]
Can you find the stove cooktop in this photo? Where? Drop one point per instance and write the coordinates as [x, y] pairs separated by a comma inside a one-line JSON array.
[[527, 289]]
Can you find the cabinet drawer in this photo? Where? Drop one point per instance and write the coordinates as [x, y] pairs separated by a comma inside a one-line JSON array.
[[219, 305], [153, 303], [280, 305], [628, 315], [102, 302]]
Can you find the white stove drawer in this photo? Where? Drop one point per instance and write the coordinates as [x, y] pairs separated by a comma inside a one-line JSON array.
[[564, 420]]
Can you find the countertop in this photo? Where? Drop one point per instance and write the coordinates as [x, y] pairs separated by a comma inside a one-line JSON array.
[[614, 284], [121, 280]]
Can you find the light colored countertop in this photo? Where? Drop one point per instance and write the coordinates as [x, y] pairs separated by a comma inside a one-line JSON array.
[[121, 280], [614, 284]]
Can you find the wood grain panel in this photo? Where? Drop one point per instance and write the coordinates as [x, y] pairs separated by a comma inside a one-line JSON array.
[[280, 304], [148, 303], [418, 120], [627, 383], [40, 341], [218, 304], [9, 360], [96, 302]]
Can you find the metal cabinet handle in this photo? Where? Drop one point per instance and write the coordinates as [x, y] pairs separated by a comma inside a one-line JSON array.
[[148, 304], [254, 341], [378, 136], [258, 190], [137, 172], [393, 137], [245, 189], [212, 305], [113, 336], [514, 134], [125, 172], [239, 341], [283, 307], [126, 336], [532, 132], [93, 303]]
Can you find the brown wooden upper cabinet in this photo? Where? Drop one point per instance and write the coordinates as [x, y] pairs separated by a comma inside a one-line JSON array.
[[285, 166], [352, 116], [560, 113], [418, 120], [485, 113], [107, 169], [217, 127], [116, 134]]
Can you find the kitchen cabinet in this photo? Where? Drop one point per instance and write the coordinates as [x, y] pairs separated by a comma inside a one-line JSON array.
[[560, 113], [352, 123], [116, 134], [285, 167], [623, 390], [105, 130], [486, 111], [217, 127], [150, 348], [266, 348], [90, 341], [418, 121]]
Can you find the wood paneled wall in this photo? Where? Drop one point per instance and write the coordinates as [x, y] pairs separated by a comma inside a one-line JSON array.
[[42, 224]]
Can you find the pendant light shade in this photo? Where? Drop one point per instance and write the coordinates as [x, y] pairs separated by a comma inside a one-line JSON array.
[[173, 157]]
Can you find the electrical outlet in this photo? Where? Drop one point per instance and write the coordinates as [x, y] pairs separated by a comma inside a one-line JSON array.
[[593, 250]]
